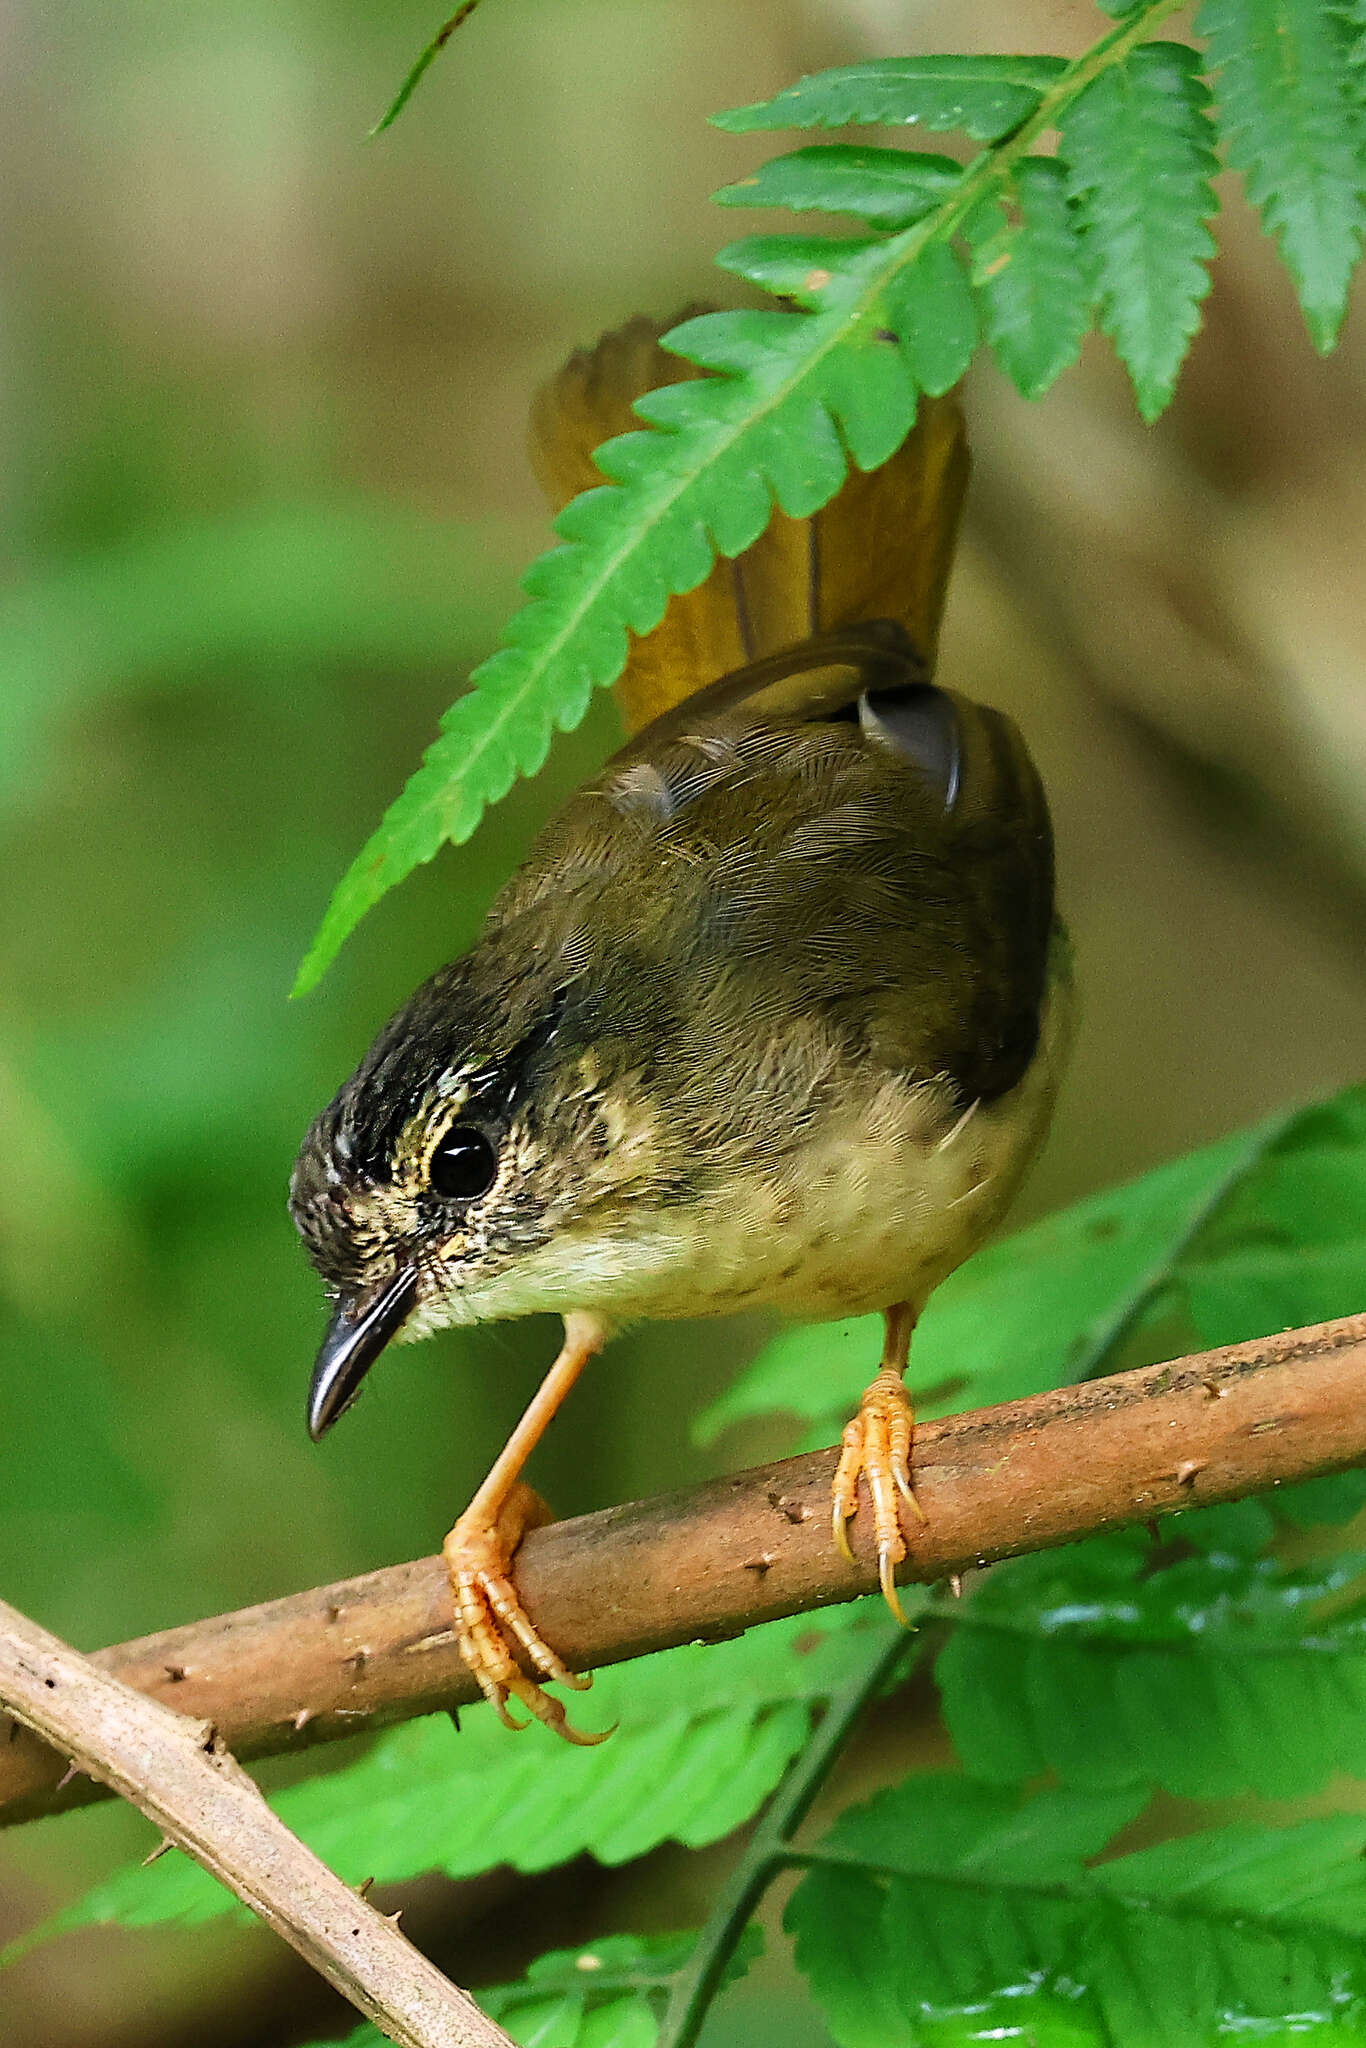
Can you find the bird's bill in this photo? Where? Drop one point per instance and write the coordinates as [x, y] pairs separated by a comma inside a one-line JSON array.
[[354, 1338]]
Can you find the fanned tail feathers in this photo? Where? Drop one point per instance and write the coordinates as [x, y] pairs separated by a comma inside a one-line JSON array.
[[881, 549]]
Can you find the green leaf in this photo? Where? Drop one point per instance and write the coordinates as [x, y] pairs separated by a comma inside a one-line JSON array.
[[986, 96], [1290, 108], [1140, 150], [930, 307], [703, 1735], [889, 187], [1212, 1674], [608, 1994], [1031, 276], [942, 1900], [1285, 1248], [425, 59]]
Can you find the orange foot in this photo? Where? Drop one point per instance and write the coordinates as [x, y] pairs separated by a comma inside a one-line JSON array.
[[492, 1623], [877, 1443]]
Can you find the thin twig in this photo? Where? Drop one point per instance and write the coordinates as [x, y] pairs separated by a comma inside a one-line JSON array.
[[720, 1557], [177, 1770]]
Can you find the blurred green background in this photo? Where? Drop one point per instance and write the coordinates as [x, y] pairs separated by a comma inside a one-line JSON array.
[[264, 503]]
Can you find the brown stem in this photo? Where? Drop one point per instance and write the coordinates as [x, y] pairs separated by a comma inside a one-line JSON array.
[[178, 1771], [712, 1561]]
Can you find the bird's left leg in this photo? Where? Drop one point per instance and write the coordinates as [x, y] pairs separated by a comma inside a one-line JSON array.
[[877, 1443], [492, 1624]]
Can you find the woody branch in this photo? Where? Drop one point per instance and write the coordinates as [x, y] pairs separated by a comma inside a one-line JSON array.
[[717, 1558]]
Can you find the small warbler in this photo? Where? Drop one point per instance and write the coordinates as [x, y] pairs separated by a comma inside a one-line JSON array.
[[772, 1014]]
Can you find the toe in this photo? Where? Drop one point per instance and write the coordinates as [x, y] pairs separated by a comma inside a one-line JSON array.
[[549, 1710], [493, 1627]]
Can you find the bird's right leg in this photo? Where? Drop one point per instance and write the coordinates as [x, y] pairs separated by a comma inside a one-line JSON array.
[[492, 1624], [877, 1445]]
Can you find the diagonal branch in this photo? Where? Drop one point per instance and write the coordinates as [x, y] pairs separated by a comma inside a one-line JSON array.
[[720, 1557], [177, 1770]]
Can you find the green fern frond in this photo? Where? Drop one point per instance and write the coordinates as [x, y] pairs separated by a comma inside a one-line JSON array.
[[1117, 219], [794, 395], [944, 1901], [1209, 1675], [1289, 86], [1140, 148]]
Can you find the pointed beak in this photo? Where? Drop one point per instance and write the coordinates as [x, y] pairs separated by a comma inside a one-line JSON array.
[[356, 1335]]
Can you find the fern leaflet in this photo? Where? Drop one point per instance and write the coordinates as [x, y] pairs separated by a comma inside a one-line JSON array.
[[987, 97], [1031, 273], [1212, 1674], [1141, 153], [1290, 95], [944, 1901]]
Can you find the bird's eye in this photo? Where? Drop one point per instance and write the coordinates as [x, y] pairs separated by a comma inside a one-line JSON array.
[[464, 1164]]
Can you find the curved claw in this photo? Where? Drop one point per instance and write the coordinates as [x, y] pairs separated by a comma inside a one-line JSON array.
[[886, 1576], [583, 1738], [840, 1527], [909, 1494]]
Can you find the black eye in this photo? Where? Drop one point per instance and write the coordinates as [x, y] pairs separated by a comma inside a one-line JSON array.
[[464, 1164]]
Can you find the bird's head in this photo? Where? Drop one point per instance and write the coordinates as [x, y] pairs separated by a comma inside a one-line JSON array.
[[480, 1161]]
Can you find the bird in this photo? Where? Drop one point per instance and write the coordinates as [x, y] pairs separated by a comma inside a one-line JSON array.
[[772, 1015]]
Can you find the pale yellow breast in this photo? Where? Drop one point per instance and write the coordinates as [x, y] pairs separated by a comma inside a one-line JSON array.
[[884, 1201]]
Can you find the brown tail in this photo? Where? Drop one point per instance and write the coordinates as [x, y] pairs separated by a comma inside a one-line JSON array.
[[880, 550]]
